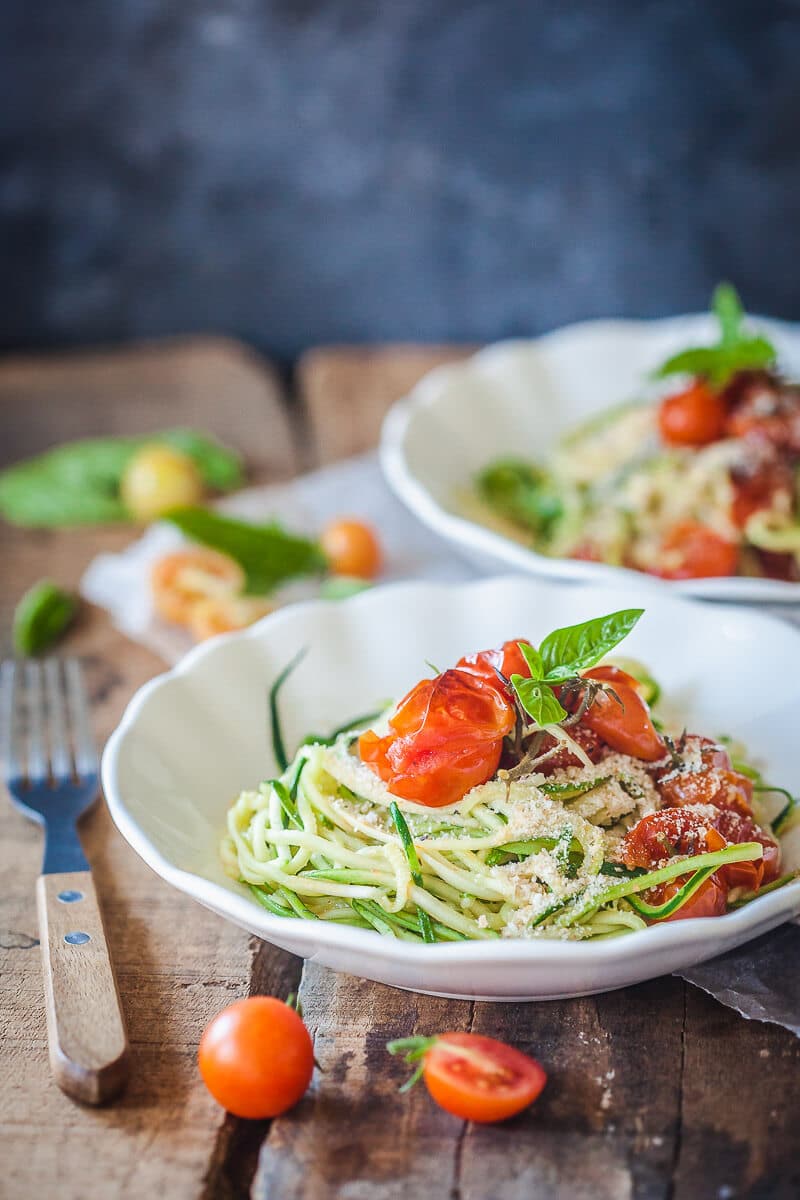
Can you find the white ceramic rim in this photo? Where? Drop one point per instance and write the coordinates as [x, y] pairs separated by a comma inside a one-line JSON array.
[[762, 914], [461, 531]]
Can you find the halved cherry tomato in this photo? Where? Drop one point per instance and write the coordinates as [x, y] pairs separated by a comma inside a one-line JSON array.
[[179, 580], [480, 1079], [624, 724], [445, 738], [712, 782], [256, 1057], [694, 417], [351, 548], [508, 659], [693, 551], [223, 614]]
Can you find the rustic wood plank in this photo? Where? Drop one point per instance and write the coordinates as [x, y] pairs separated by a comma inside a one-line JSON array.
[[177, 964], [346, 391], [741, 1095], [214, 384]]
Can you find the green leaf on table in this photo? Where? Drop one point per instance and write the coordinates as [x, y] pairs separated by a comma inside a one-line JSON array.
[[539, 700], [42, 616], [267, 554], [567, 651], [78, 483]]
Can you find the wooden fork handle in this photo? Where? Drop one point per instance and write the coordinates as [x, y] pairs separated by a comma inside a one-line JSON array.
[[85, 1027]]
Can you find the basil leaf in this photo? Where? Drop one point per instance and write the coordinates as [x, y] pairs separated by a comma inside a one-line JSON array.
[[267, 554], [522, 492], [701, 360], [539, 700], [567, 651], [727, 307], [41, 616], [533, 658]]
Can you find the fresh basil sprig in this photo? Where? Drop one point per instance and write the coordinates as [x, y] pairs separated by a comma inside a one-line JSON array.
[[267, 553], [735, 351], [563, 654]]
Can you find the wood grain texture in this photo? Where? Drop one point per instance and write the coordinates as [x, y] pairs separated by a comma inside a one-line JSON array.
[[347, 390], [176, 963], [87, 1042]]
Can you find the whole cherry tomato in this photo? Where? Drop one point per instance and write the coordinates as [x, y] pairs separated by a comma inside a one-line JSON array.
[[590, 742], [256, 1057], [760, 486], [351, 548], [694, 417], [693, 551], [624, 723], [665, 834], [480, 1079], [445, 738]]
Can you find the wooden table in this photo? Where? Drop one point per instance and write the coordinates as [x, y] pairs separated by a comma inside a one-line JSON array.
[[655, 1092]]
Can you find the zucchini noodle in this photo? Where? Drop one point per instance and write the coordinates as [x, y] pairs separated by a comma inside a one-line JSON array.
[[529, 858]]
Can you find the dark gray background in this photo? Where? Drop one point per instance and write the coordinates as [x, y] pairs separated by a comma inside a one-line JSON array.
[[299, 171]]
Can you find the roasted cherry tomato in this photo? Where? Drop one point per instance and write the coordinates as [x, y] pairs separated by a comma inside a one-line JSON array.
[[710, 899], [624, 724], [480, 1079], [711, 781], [736, 828], [351, 548], [664, 834], [256, 1057], [693, 551], [507, 659], [445, 738], [694, 417], [590, 742], [767, 483]]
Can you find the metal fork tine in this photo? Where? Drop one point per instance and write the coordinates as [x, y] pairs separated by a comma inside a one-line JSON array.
[[60, 758], [37, 751], [83, 739], [9, 751]]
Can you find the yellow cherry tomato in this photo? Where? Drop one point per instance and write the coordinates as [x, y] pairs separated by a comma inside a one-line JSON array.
[[180, 580], [223, 614], [157, 479], [351, 548]]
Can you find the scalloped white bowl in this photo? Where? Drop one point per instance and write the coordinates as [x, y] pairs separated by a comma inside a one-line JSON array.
[[517, 399], [191, 739]]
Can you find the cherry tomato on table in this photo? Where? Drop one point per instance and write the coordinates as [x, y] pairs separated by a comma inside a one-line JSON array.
[[445, 738], [351, 548], [694, 551], [181, 580], [694, 417], [474, 1077], [256, 1057], [625, 723]]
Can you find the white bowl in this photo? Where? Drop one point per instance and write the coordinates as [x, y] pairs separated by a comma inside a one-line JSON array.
[[191, 739], [517, 399]]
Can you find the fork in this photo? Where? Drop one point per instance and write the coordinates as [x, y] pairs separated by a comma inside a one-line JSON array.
[[51, 772]]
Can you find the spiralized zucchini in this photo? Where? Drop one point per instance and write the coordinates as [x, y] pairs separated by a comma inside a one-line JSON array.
[[307, 846]]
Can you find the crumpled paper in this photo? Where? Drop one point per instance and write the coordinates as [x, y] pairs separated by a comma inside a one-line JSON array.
[[759, 980]]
